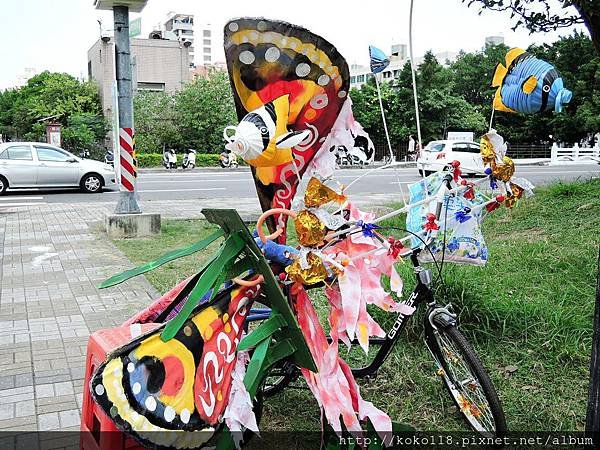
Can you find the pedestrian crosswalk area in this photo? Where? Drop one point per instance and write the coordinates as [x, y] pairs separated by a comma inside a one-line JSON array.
[[12, 201]]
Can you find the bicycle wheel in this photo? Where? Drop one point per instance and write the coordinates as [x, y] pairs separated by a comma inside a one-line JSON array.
[[467, 381], [279, 377]]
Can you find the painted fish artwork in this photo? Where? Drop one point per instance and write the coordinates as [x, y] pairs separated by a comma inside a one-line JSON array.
[[262, 138], [527, 84], [150, 387], [268, 60]]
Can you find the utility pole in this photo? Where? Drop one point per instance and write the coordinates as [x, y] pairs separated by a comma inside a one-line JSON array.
[[128, 220], [127, 203]]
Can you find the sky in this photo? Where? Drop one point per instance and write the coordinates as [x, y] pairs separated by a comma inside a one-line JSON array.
[[55, 35]]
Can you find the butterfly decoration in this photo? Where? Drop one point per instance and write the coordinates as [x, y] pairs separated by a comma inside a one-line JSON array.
[[150, 387], [269, 59]]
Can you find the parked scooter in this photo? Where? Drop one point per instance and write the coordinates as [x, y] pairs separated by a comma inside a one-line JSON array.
[[357, 157], [227, 159], [169, 159], [109, 158], [341, 156], [189, 159]]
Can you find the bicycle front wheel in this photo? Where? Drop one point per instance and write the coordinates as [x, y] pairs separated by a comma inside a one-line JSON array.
[[467, 381]]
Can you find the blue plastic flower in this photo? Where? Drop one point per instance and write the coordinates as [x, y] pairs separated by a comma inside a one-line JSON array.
[[368, 229]]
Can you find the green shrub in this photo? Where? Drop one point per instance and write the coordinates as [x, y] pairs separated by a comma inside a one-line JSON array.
[[149, 159], [202, 160]]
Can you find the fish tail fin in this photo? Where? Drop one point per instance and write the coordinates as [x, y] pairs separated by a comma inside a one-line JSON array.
[[499, 74], [498, 104], [563, 97]]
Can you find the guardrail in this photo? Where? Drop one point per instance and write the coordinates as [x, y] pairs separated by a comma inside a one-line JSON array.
[[575, 154], [515, 151]]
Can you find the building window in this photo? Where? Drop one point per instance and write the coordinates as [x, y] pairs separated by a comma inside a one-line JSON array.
[[150, 86], [89, 70], [206, 58], [206, 49], [206, 41], [206, 33], [352, 79]]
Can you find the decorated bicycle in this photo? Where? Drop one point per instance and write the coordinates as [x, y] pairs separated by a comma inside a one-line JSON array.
[[244, 326]]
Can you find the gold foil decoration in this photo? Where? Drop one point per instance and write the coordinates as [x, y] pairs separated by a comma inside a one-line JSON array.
[[315, 273], [504, 171], [310, 230], [317, 194], [515, 194], [487, 151]]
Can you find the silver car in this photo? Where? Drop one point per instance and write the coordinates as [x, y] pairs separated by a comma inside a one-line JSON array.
[[37, 165]]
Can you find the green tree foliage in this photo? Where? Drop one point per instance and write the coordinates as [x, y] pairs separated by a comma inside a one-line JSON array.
[[204, 108], [458, 97], [156, 124], [192, 118], [441, 108], [546, 15], [68, 101]]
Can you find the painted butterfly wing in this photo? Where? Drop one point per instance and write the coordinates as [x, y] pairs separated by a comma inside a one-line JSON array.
[[378, 59], [267, 59], [151, 388]]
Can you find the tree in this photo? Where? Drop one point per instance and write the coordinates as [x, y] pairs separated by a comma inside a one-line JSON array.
[[58, 97], [543, 15], [441, 109], [156, 123], [204, 108], [7, 101]]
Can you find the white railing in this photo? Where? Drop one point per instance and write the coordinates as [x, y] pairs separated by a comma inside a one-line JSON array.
[[576, 154]]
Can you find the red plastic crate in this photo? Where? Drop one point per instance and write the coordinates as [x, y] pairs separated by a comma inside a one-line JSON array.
[[98, 431]]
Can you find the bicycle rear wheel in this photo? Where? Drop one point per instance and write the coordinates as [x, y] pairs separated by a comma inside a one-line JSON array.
[[279, 377], [467, 381]]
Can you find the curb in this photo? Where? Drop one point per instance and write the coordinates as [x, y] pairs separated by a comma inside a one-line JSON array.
[[194, 170], [408, 164]]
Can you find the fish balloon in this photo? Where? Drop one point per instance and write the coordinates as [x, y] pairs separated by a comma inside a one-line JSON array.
[[262, 138], [527, 84]]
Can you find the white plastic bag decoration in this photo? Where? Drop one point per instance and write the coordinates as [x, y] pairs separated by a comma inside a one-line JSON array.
[[460, 224]]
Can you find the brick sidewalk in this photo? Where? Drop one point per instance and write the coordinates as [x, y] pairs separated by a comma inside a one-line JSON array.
[[52, 258], [49, 304]]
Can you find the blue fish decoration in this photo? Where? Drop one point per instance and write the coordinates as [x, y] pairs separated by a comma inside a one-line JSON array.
[[378, 59], [528, 85]]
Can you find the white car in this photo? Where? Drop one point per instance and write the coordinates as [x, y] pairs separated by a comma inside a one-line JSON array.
[[25, 165], [437, 154]]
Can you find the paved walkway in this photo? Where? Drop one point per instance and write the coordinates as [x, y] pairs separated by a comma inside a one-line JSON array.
[[51, 263], [52, 258]]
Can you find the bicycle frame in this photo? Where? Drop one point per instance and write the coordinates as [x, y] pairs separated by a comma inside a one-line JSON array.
[[422, 294]]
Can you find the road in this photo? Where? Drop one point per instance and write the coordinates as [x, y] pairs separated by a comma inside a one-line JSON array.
[[203, 184]]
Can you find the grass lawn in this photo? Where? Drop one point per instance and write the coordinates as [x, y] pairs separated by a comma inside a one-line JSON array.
[[527, 313]]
